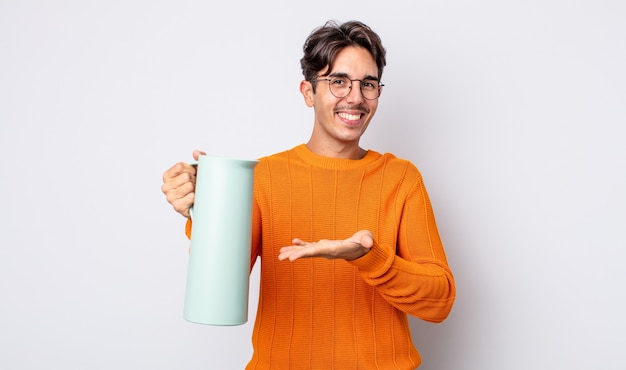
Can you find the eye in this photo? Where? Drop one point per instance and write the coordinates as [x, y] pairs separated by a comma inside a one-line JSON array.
[[339, 81], [370, 85]]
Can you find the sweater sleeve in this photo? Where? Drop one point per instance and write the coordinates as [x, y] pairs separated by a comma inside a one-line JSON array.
[[413, 275]]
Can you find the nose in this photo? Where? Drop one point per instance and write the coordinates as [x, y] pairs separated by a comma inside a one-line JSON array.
[[355, 96]]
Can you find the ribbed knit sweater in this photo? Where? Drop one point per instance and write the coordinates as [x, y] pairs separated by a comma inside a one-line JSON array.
[[334, 314]]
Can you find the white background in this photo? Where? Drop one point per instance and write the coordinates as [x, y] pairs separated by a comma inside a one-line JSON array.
[[514, 111]]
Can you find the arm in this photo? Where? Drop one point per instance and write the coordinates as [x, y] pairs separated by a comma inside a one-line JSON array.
[[412, 275]]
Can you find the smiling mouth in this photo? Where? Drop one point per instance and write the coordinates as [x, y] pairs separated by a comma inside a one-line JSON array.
[[349, 116]]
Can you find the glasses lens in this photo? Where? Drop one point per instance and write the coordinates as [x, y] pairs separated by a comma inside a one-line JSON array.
[[370, 89], [340, 87]]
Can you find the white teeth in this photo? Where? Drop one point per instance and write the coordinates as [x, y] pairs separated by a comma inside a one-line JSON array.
[[350, 117]]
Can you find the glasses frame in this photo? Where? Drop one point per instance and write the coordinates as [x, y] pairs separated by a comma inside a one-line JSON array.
[[380, 86]]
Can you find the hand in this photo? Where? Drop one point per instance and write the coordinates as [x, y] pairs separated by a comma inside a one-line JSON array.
[[179, 185], [349, 249]]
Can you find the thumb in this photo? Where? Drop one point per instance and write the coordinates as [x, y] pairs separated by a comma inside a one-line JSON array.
[[367, 240], [197, 153]]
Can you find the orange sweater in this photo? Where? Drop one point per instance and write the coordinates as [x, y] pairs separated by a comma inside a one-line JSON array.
[[333, 314]]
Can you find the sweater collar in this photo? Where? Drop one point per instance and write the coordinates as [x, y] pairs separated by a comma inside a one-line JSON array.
[[334, 163]]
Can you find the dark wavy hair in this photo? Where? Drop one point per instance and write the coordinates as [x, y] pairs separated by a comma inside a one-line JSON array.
[[324, 43]]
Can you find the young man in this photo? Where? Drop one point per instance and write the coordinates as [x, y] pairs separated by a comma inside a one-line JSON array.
[[347, 236]]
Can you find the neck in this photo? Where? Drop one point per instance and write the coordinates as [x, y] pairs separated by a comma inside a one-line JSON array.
[[345, 151]]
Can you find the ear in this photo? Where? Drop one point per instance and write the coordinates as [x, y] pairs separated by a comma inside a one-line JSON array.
[[307, 92]]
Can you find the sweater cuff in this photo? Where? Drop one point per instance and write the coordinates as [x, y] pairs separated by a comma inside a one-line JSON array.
[[188, 228], [376, 262]]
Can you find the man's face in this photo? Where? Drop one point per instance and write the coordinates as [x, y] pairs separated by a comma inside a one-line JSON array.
[[344, 120]]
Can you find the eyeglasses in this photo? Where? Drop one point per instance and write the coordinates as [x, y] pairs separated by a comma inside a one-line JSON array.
[[340, 87]]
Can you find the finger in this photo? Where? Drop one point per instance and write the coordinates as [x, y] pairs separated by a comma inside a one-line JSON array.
[[297, 241], [295, 254], [173, 193], [179, 186], [182, 205], [178, 169], [286, 252], [290, 248], [283, 256], [306, 250], [197, 153], [181, 180]]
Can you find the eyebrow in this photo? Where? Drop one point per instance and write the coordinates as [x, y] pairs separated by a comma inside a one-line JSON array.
[[343, 74]]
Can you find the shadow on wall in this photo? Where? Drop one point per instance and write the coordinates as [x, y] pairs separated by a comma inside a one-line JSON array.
[[409, 133], [434, 342]]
